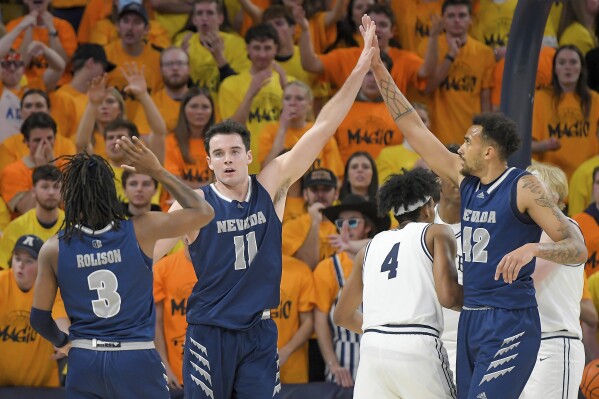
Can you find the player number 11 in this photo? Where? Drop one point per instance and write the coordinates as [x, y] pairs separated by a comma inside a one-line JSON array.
[[240, 253]]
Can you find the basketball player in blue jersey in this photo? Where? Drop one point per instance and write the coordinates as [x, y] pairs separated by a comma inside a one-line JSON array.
[[100, 262], [503, 211], [402, 278], [231, 343]]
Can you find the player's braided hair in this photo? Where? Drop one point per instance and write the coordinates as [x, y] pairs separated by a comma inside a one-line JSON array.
[[406, 189], [89, 194]]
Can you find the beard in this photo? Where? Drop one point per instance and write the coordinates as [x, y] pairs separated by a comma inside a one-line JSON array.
[[49, 205], [177, 83]]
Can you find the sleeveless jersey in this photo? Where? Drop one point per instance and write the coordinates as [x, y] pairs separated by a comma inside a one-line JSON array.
[[398, 280], [237, 259], [106, 284], [492, 226], [559, 291], [451, 317]]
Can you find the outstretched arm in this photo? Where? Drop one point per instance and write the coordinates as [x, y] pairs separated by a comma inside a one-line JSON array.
[[442, 162], [284, 170], [568, 246]]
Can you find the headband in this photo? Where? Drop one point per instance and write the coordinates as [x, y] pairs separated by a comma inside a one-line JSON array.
[[406, 209]]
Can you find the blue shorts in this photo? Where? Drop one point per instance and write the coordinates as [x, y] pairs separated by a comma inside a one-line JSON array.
[[497, 351], [120, 374], [222, 363]]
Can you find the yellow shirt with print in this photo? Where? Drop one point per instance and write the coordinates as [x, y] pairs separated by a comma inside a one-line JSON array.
[[27, 223], [493, 22], [414, 21], [393, 159], [297, 296], [265, 107], [296, 231], [579, 36]]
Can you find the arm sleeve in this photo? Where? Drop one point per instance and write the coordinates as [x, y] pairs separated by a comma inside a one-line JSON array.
[[42, 322]]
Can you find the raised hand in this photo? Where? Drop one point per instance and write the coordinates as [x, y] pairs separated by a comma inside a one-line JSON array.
[[437, 25], [259, 80], [368, 30], [36, 48], [453, 45], [136, 81], [96, 89], [299, 14], [282, 74], [215, 44], [28, 21], [43, 154], [138, 157]]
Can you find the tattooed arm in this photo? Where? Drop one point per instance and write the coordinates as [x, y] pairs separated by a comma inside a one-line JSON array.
[[568, 246], [442, 162]]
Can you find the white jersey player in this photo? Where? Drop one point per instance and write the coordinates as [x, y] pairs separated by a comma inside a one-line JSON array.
[[407, 274], [560, 362]]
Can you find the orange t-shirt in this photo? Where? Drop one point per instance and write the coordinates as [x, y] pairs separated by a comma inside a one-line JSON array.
[[368, 127], [14, 148], [15, 179], [590, 231], [174, 162], [295, 232], [325, 280], [297, 296], [414, 21], [94, 12], [169, 110], [544, 73], [67, 37], [25, 359], [294, 208], [322, 36], [150, 58], [105, 32], [328, 158], [174, 278], [338, 65], [577, 134], [457, 99], [68, 106]]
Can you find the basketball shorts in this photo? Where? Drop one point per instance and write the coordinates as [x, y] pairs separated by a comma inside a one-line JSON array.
[[222, 363], [121, 374], [558, 370], [401, 364], [451, 347], [497, 350]]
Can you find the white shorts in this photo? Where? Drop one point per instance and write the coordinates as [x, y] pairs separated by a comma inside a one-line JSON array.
[[558, 370], [451, 347], [407, 366]]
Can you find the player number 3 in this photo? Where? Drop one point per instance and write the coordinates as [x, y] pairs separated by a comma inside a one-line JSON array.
[[108, 303]]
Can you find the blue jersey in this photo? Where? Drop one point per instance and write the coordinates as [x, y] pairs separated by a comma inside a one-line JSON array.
[[492, 226], [237, 259], [106, 284]]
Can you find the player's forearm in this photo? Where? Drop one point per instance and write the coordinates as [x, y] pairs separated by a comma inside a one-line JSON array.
[[569, 251], [183, 194], [42, 322]]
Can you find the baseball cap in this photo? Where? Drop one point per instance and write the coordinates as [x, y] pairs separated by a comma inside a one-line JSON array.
[[95, 51], [136, 8], [30, 243], [320, 177]]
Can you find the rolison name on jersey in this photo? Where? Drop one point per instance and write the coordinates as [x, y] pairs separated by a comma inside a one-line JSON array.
[[99, 258], [479, 216], [225, 226]]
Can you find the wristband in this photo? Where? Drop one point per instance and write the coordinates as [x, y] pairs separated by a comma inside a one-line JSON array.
[[53, 33], [451, 58]]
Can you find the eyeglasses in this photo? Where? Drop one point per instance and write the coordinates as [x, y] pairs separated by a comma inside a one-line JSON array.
[[352, 223], [172, 64], [14, 64]]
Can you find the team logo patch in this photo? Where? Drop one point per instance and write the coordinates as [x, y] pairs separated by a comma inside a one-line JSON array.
[[96, 244]]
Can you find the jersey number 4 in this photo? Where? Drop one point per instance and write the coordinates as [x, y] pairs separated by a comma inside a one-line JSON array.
[[475, 252], [241, 261], [390, 263], [108, 303]]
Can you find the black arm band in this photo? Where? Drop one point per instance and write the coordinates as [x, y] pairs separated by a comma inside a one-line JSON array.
[[42, 322], [225, 71], [451, 58]]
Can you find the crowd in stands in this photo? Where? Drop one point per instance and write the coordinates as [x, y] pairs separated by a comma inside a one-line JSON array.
[[78, 74]]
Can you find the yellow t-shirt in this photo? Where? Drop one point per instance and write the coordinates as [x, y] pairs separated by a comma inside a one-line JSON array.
[[293, 67], [202, 66], [265, 107], [295, 232], [493, 22], [105, 32], [294, 208], [297, 296], [174, 278], [325, 280], [577, 134], [150, 58], [578, 35], [27, 223], [4, 216], [457, 99], [392, 159], [581, 186], [68, 106], [173, 23], [25, 359], [414, 21], [169, 110], [328, 158]]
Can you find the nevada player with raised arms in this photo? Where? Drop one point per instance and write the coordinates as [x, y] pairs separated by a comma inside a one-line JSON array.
[[503, 211], [402, 278], [99, 260], [230, 348]]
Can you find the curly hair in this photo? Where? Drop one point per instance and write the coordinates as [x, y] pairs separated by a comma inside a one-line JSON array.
[[407, 189], [87, 186], [499, 130]]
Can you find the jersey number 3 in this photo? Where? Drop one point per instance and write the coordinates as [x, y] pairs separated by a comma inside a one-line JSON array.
[[108, 303], [390, 263], [240, 256]]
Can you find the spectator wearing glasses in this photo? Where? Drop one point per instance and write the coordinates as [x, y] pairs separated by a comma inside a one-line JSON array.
[[357, 218]]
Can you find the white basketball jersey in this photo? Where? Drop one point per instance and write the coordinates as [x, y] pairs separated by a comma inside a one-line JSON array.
[[451, 317], [559, 291], [398, 280]]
